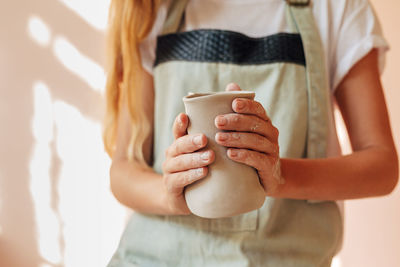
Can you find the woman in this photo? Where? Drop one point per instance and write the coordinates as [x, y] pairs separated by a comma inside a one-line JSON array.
[[299, 58]]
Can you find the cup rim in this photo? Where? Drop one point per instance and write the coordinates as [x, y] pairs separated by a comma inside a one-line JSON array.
[[198, 96]]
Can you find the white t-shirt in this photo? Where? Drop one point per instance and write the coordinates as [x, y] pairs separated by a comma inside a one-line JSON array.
[[349, 29]]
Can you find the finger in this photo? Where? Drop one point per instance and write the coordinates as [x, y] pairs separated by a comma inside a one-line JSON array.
[[185, 162], [257, 160], [180, 125], [247, 123], [252, 141], [251, 107], [232, 87], [175, 182], [186, 144]]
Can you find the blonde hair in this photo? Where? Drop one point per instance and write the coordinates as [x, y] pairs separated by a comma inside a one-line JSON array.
[[130, 21]]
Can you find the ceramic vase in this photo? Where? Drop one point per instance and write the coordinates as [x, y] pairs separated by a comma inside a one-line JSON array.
[[230, 188]]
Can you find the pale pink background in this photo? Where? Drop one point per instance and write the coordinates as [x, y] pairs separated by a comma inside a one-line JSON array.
[[372, 230], [73, 220]]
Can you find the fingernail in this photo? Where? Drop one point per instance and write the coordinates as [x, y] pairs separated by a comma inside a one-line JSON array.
[[205, 156], [199, 171], [235, 136], [232, 87], [222, 136], [180, 121], [197, 140], [239, 104], [233, 153], [221, 121]]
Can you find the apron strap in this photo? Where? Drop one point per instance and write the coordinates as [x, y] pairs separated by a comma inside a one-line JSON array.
[[176, 12], [316, 76]]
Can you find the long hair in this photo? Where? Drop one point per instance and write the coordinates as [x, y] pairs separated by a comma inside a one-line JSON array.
[[130, 21]]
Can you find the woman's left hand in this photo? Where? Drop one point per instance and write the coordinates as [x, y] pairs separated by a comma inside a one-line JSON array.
[[251, 139]]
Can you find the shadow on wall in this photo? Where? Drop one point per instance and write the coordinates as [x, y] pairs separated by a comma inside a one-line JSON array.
[[54, 196]]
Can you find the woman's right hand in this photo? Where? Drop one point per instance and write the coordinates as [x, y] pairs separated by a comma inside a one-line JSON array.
[[184, 164]]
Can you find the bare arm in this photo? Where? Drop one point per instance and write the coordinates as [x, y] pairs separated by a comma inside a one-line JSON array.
[[144, 190], [133, 186], [372, 169]]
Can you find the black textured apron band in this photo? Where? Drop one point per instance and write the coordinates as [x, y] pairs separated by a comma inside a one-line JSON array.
[[221, 46]]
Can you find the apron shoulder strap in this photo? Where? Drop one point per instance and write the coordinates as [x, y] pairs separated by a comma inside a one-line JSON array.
[[176, 11], [316, 75]]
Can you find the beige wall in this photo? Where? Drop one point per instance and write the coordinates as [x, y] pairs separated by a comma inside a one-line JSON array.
[[55, 207], [55, 204]]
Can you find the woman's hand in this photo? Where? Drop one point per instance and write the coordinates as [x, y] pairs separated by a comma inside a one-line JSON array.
[[251, 139], [183, 165]]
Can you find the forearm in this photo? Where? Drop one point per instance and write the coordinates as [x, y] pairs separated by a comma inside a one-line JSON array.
[[366, 173], [139, 189]]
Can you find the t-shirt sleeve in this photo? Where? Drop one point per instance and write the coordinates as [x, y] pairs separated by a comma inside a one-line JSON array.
[[357, 33], [148, 47]]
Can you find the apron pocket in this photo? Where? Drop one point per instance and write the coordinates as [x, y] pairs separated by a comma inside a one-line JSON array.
[[243, 222]]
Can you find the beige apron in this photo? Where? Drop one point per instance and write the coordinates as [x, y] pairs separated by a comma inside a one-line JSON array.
[[287, 72]]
